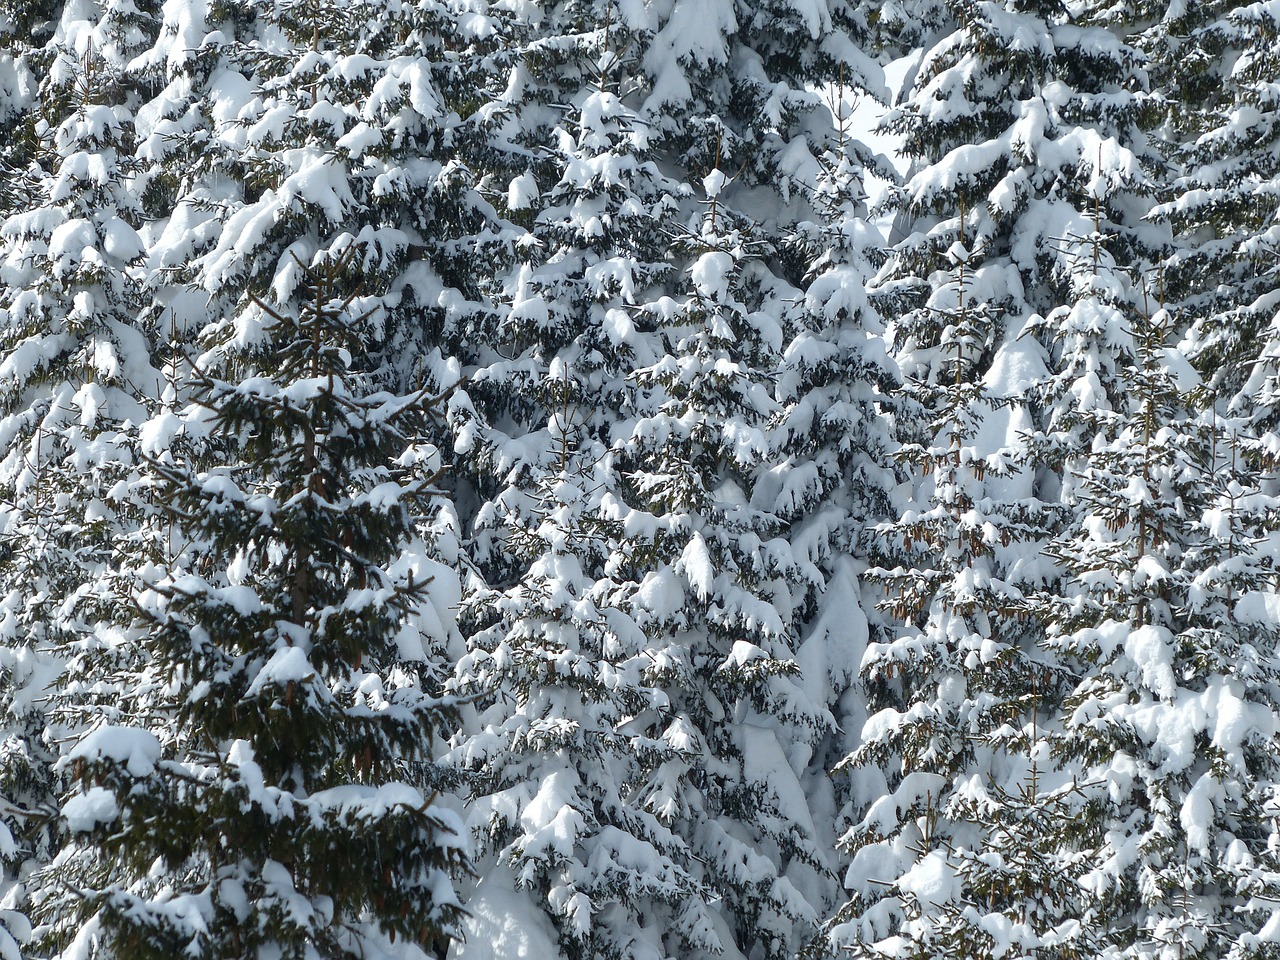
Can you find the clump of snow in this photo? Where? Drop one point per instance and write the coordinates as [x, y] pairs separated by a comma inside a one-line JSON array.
[[711, 274], [1150, 649], [136, 750], [1258, 607], [86, 810], [504, 924], [714, 182], [933, 881], [287, 664], [522, 192]]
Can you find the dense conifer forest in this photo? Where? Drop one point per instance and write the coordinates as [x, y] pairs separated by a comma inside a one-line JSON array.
[[639, 480]]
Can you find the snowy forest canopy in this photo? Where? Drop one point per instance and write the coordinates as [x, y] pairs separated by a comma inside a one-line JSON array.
[[494, 479]]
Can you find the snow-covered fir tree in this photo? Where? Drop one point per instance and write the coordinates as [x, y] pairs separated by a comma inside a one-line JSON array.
[[1167, 506], [25, 28], [556, 759], [1226, 125], [557, 749], [832, 441], [1171, 724], [1224, 274], [716, 586], [949, 856], [1216, 63], [74, 377], [728, 509], [283, 125], [645, 369], [280, 800], [1020, 121]]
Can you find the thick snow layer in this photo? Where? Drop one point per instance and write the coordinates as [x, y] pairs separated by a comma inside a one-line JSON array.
[[287, 664], [1197, 814], [71, 242], [765, 764], [522, 192], [694, 35], [137, 750], [1259, 607], [86, 810], [695, 564], [504, 924], [1150, 648], [713, 183], [932, 881], [711, 274], [551, 819], [362, 802], [1170, 717]]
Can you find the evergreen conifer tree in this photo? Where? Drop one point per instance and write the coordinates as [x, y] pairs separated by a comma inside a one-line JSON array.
[[1005, 123], [560, 751], [949, 858], [604, 341], [280, 799], [717, 587], [1219, 61], [731, 502], [76, 366], [286, 124], [832, 442], [1171, 723]]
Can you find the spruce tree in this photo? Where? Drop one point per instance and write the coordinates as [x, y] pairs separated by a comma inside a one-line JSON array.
[[1024, 125], [719, 589], [280, 801], [832, 441], [1222, 58], [1218, 59], [557, 754], [555, 760], [76, 364], [1171, 723], [949, 858], [734, 508], [1164, 477], [650, 366], [286, 125]]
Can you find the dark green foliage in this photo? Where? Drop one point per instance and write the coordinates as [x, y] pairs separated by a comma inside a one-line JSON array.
[[277, 799]]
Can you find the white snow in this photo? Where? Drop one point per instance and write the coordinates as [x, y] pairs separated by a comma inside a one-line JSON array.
[[85, 811], [932, 880], [1150, 648], [711, 274], [522, 192], [135, 749], [504, 924]]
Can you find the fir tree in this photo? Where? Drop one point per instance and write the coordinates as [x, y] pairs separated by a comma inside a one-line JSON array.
[[285, 125], [948, 858], [1217, 62], [284, 786], [1025, 128], [556, 753], [1223, 271], [832, 440], [734, 502], [76, 365], [556, 759], [659, 367], [1170, 723], [716, 586], [1221, 58]]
